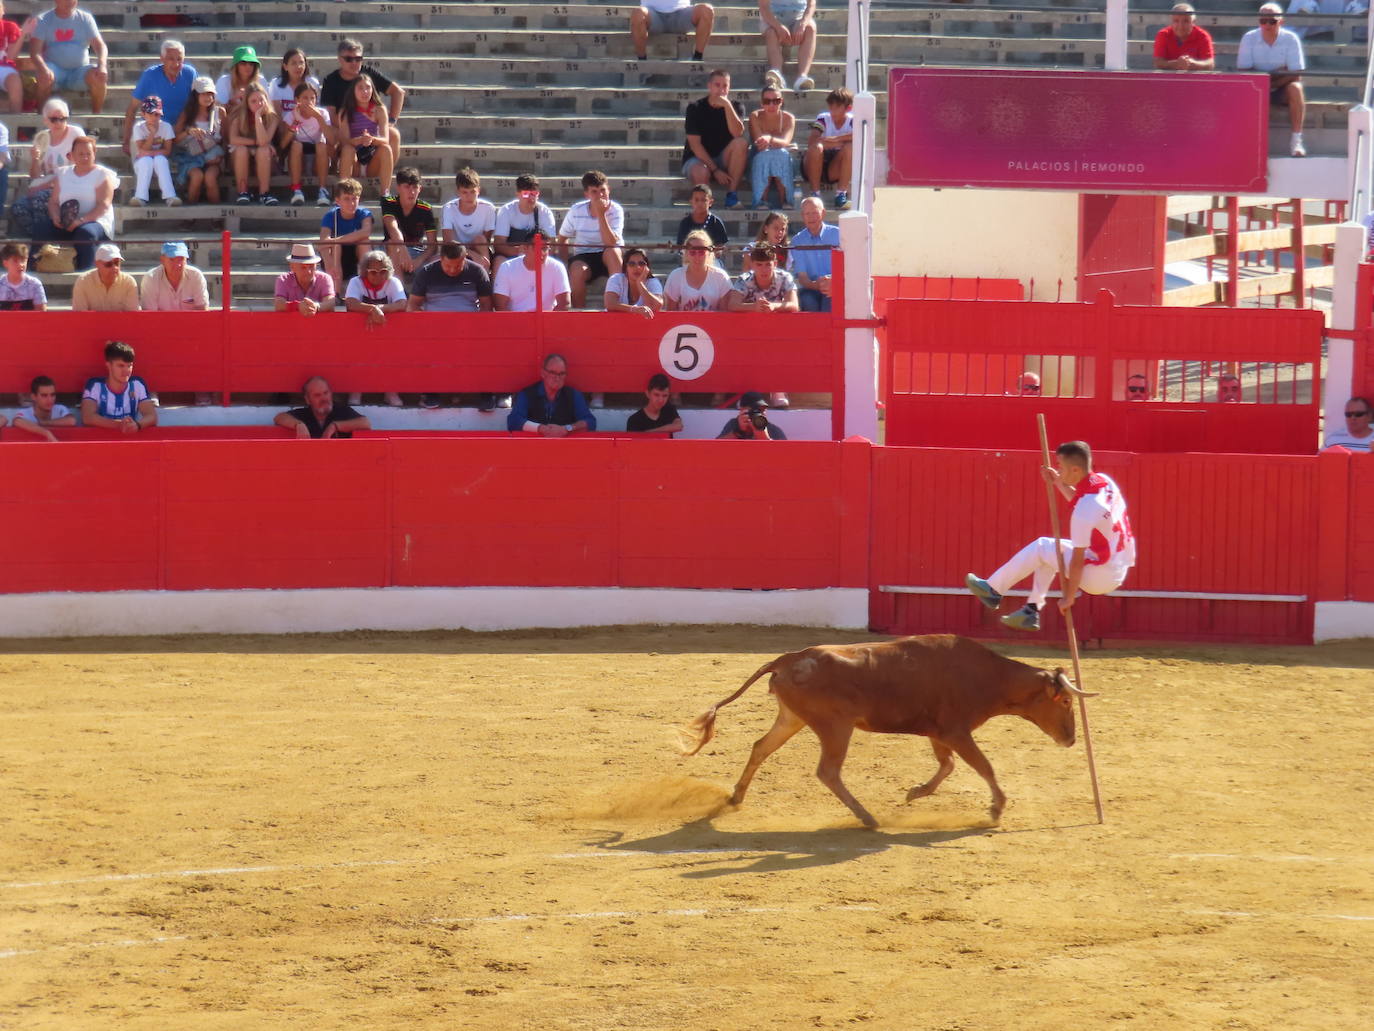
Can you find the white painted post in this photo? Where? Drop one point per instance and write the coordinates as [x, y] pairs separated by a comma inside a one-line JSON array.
[[860, 343], [1116, 36], [864, 168], [856, 47], [1359, 130], [1340, 354]]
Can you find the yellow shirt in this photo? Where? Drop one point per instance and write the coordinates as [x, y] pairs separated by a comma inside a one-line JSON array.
[[90, 294]]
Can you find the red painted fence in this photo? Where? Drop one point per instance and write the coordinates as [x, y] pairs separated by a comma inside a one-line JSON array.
[[953, 367]]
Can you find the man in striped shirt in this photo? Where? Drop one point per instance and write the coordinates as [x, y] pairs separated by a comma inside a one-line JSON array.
[[119, 400]]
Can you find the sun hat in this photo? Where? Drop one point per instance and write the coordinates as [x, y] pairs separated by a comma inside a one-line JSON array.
[[248, 54], [175, 249], [204, 84], [303, 254]]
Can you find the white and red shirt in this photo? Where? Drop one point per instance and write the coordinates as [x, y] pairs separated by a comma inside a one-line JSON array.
[[1099, 523]]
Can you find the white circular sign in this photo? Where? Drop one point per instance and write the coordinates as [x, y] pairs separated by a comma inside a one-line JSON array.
[[686, 352]]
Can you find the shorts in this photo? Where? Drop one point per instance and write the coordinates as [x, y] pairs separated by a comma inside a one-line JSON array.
[[674, 23], [718, 159], [310, 148], [827, 156], [70, 78], [787, 12], [595, 262]]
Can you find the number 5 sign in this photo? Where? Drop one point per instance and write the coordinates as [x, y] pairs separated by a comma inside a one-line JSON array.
[[686, 352]]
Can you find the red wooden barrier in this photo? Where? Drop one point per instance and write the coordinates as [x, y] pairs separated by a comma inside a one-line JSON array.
[[1364, 331], [430, 511], [953, 367]]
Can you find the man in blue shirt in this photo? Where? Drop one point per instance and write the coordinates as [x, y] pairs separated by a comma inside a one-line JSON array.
[[812, 268], [550, 407], [169, 81]]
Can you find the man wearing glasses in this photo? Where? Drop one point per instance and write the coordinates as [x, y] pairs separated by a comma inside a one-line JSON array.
[[338, 82], [107, 287], [1358, 434], [1137, 387], [1278, 52], [1183, 46], [1029, 385], [550, 407]]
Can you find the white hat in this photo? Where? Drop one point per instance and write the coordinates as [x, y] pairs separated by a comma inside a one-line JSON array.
[[303, 254], [107, 252]]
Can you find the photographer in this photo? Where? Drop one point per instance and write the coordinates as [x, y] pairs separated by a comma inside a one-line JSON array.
[[751, 423]]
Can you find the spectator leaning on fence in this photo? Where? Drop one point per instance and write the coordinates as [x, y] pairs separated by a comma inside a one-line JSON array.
[[43, 411], [19, 291], [119, 400], [658, 414], [813, 267], [1184, 46], [453, 282], [174, 285], [1277, 51], [699, 284], [61, 45], [322, 418], [671, 18], [107, 287], [304, 288], [549, 407], [376, 293], [636, 290], [513, 287]]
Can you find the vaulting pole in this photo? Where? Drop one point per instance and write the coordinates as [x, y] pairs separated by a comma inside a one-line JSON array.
[[1068, 619]]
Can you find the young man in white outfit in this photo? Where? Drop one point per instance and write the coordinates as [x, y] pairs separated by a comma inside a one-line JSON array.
[[1098, 555]]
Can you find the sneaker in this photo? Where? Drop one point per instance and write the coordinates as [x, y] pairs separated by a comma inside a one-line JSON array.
[[1027, 618], [174, 202], [1295, 146], [393, 399], [268, 200], [842, 201], [983, 591], [324, 200], [773, 78], [486, 402], [731, 199], [138, 202], [297, 197], [803, 83], [243, 198], [429, 401], [779, 401]]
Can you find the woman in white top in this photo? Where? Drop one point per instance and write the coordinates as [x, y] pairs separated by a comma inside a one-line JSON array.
[[699, 284], [295, 69], [50, 151], [635, 290], [375, 291], [81, 207]]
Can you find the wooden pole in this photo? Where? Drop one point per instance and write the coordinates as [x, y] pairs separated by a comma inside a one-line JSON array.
[[1068, 620]]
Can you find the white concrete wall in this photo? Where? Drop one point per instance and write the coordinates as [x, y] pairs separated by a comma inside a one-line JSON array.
[[996, 234], [1337, 620]]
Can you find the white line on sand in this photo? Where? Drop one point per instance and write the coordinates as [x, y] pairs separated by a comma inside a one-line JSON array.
[[222, 871], [1270, 857], [618, 914], [1279, 916], [611, 853], [127, 944]]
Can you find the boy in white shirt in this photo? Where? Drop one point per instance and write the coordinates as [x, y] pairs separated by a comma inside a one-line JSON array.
[[152, 140], [469, 219], [520, 219], [44, 411], [830, 151], [592, 230]]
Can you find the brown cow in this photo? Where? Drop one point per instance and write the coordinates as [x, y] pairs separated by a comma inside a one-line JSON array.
[[940, 686]]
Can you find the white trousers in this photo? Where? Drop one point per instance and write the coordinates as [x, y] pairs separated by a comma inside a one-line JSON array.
[[1037, 561], [144, 168]]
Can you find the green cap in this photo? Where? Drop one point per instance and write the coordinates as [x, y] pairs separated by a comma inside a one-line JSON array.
[[248, 54]]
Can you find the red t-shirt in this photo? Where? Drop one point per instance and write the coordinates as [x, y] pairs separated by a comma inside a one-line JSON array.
[[9, 35], [1197, 45]]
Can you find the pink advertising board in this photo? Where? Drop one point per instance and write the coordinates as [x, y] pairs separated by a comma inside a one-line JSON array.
[[1162, 132]]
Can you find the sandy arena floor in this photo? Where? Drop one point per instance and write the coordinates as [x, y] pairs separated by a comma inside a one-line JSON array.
[[495, 831]]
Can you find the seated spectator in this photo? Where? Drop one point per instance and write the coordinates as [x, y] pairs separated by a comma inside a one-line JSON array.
[[174, 285], [830, 150], [812, 267], [43, 411], [752, 422], [152, 142], [198, 144], [119, 400], [592, 231], [1228, 388], [1324, 7], [345, 232], [1184, 46], [469, 219], [670, 18], [550, 407], [716, 149], [518, 220], [244, 74], [788, 23], [772, 129], [636, 290], [309, 129], [452, 283], [169, 81], [107, 287], [305, 288], [1029, 384], [293, 75], [80, 204], [51, 149], [60, 45], [1137, 387], [322, 417], [699, 284], [19, 291], [658, 415], [773, 232], [1277, 51], [363, 135], [513, 287], [765, 288], [252, 128], [10, 79], [408, 224], [336, 86], [1358, 434], [700, 217]]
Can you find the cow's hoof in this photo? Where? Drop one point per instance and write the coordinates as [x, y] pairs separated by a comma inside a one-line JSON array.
[[995, 813], [920, 791], [737, 799]]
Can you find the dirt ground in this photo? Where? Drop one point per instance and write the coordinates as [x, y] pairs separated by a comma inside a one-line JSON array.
[[495, 831]]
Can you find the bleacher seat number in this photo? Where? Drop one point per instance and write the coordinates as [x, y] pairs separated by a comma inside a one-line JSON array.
[[686, 352]]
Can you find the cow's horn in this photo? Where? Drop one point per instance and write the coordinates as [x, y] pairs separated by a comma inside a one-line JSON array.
[[1069, 686]]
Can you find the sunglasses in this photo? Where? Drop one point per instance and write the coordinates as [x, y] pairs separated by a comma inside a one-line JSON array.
[[351, 58], [1134, 390], [1268, 21], [696, 250], [57, 118], [772, 100], [558, 374], [1355, 415], [1029, 389]]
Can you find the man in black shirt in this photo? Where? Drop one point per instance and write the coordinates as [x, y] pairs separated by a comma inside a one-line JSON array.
[[322, 417], [745, 425], [717, 148], [337, 84], [408, 224], [659, 415]]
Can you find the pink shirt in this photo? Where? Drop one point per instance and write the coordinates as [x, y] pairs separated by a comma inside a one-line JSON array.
[[290, 290]]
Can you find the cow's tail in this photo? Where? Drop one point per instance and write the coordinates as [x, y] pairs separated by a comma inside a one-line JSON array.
[[703, 728]]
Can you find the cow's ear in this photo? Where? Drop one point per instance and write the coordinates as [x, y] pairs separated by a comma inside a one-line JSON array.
[[1052, 687]]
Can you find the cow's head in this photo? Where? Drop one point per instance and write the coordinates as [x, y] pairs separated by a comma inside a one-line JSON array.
[[1051, 706]]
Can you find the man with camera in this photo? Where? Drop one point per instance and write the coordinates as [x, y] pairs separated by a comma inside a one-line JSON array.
[[751, 423]]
